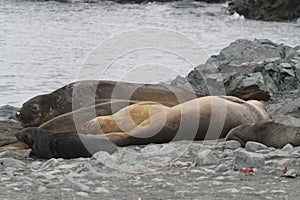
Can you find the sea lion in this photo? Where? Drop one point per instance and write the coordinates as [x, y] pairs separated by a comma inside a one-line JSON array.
[[43, 108], [125, 119], [189, 121], [266, 132], [73, 122]]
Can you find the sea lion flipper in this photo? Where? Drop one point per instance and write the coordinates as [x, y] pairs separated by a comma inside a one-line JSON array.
[[233, 99]]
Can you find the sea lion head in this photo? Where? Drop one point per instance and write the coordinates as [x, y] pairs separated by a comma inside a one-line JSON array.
[[37, 110], [240, 134]]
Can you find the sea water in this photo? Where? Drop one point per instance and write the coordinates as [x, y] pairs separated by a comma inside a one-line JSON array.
[[46, 44]]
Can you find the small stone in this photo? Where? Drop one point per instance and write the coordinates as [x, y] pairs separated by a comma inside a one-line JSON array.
[[49, 164], [296, 149], [255, 146], [286, 65], [42, 189], [75, 185], [291, 173], [231, 144], [104, 158], [206, 157], [102, 190], [10, 162], [248, 188], [248, 159], [289, 162], [223, 167], [287, 147], [227, 153], [83, 194]]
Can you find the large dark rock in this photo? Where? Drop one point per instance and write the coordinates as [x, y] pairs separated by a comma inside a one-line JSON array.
[[274, 68], [269, 10]]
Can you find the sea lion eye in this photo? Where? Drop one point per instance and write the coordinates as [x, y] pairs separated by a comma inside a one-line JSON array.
[[33, 107]]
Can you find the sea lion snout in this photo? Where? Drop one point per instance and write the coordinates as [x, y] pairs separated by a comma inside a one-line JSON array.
[[28, 135]]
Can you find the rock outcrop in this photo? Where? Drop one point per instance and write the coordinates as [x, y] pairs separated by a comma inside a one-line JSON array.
[[274, 68], [269, 10]]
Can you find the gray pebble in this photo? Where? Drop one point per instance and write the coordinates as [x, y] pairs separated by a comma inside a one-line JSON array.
[[10, 162], [248, 159], [49, 164], [255, 146], [75, 185], [206, 157], [83, 194], [102, 190], [104, 158], [286, 65], [231, 144], [223, 167], [291, 173], [287, 147], [296, 150]]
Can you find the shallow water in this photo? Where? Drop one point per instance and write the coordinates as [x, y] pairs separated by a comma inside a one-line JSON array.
[[43, 44]]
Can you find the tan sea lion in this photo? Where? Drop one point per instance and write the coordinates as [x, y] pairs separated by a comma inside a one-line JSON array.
[[266, 132], [202, 118], [43, 108], [73, 121]]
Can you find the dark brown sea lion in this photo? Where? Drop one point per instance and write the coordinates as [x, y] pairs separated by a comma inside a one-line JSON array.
[[43, 108], [202, 118], [266, 132]]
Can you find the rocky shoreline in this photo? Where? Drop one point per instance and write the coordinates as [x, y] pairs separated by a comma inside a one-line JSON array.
[[266, 10], [211, 169], [183, 169]]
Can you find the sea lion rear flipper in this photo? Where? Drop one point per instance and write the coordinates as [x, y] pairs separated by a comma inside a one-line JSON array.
[[233, 99], [17, 145]]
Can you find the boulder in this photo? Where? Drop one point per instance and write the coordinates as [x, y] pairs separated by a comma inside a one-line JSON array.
[[268, 10]]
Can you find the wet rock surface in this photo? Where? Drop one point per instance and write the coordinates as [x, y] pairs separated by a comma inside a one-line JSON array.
[[155, 171], [8, 131], [269, 10]]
